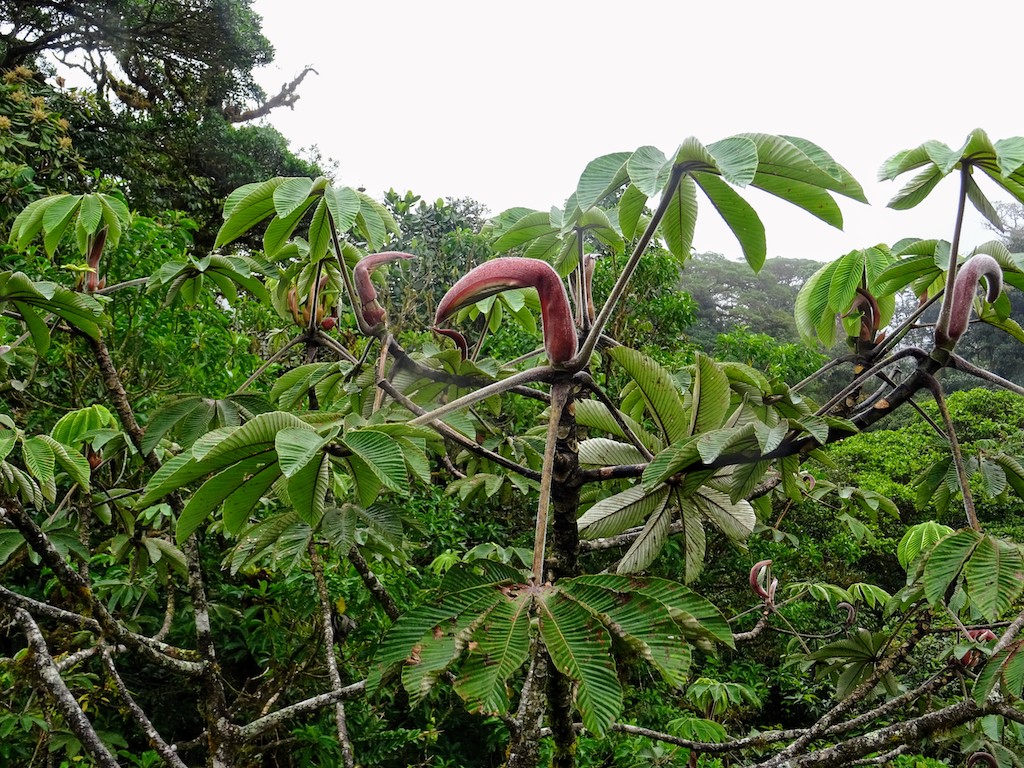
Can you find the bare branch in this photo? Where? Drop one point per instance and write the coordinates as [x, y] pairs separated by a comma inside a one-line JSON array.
[[165, 750], [65, 701]]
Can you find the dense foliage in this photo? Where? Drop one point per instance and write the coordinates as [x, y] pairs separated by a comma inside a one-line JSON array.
[[260, 506]]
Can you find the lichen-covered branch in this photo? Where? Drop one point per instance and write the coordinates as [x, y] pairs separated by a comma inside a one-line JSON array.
[[64, 701]]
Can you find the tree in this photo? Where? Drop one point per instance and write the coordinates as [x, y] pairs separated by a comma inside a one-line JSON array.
[[169, 84], [632, 471]]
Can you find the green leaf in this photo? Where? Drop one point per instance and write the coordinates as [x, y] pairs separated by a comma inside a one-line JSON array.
[[846, 279], [600, 451], [645, 624], [735, 519], [688, 605], [680, 219], [239, 504], [660, 393], [381, 454], [308, 486], [741, 218], [503, 644], [736, 158], [295, 447], [624, 510], [916, 190], [648, 170], [39, 459], [214, 491], [276, 235], [711, 395], [319, 234], [290, 195], [1010, 155], [247, 210], [74, 463], [995, 576], [579, 647], [600, 178], [631, 207], [946, 561], [37, 328], [595, 415], [56, 218], [527, 229], [674, 459], [792, 158], [344, 205], [90, 214], [650, 541], [918, 539]]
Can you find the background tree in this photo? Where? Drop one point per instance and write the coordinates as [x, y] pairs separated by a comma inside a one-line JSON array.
[[169, 82]]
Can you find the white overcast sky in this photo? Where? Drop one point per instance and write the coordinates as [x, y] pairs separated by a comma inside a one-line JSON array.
[[507, 102]]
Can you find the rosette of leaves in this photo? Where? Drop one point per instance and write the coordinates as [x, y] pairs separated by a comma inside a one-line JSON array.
[[286, 201], [484, 615], [304, 463], [832, 292], [720, 409]]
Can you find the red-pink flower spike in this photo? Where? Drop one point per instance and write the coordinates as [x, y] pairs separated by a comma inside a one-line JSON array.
[[767, 595], [964, 287], [455, 336], [373, 313], [501, 274]]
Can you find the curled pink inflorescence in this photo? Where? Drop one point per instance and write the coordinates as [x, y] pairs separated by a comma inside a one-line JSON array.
[[964, 288], [373, 313], [765, 591], [560, 341]]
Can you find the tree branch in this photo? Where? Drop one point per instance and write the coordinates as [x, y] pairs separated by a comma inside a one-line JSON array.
[[65, 702]]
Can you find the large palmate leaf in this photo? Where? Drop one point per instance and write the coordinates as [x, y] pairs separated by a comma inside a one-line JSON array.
[[710, 396], [503, 644], [596, 416], [919, 539], [579, 647], [34, 300], [1005, 671], [601, 177], [1002, 162], [831, 292], [993, 576], [286, 201], [644, 623], [52, 216], [188, 277], [482, 616], [191, 416], [615, 514], [990, 569]]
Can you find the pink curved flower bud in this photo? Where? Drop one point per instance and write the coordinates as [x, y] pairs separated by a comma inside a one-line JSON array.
[[759, 569], [982, 635], [489, 278], [455, 336], [979, 759], [964, 287], [373, 313]]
